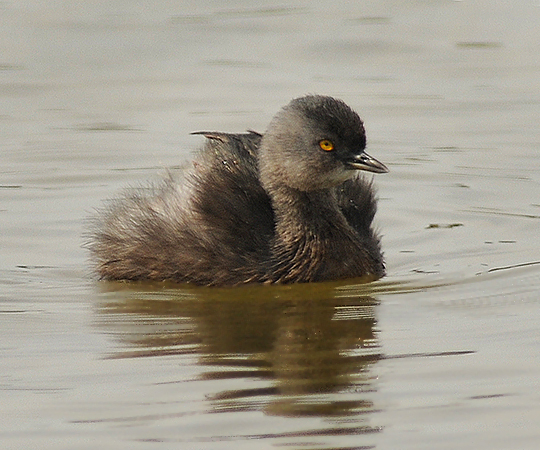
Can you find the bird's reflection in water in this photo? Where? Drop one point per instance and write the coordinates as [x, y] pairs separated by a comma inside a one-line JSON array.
[[308, 348]]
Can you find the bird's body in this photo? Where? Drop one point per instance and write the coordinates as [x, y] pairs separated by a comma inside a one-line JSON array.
[[279, 208]]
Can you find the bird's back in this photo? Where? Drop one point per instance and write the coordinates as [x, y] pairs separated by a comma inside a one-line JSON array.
[[212, 227]]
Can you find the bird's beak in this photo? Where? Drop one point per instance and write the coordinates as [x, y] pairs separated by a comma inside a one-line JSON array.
[[365, 162]]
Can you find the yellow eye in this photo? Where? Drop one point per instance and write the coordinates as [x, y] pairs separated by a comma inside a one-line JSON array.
[[326, 145]]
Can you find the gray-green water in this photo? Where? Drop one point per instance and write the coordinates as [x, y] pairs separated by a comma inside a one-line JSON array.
[[442, 353]]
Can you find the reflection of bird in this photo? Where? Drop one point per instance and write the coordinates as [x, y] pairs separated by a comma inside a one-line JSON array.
[[286, 206]]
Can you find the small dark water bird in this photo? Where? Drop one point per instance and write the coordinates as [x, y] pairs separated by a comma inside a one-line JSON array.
[[287, 206]]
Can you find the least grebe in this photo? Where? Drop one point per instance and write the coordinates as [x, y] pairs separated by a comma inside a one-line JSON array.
[[287, 206]]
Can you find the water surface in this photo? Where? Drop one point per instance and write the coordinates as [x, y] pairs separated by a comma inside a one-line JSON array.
[[442, 353]]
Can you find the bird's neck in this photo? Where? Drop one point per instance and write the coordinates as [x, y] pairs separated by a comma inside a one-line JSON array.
[[313, 240], [300, 215]]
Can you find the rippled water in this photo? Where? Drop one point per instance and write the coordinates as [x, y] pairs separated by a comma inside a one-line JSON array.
[[442, 353]]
